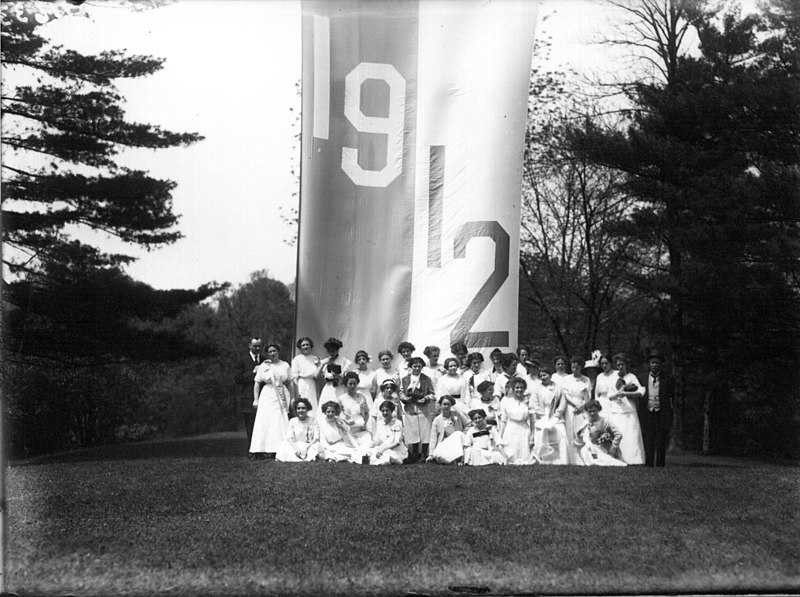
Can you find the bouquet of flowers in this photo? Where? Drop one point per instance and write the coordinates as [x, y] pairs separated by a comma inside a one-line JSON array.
[[605, 439]]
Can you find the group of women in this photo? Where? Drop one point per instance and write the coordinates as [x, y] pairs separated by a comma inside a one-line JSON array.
[[512, 410]]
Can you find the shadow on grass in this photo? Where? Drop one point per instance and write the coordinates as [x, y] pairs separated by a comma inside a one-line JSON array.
[[216, 445], [234, 444]]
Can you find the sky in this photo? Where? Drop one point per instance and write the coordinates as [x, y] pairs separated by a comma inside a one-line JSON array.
[[232, 74]]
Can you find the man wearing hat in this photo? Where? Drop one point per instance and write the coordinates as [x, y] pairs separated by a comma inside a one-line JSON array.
[[656, 410]]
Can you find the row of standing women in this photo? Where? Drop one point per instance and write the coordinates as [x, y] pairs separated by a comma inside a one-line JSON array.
[[512, 411]]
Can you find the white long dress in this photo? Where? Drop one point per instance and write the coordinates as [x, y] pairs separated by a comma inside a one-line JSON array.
[[304, 369], [622, 414], [447, 439], [305, 435], [517, 432], [272, 419], [365, 384], [336, 442], [603, 383], [481, 447], [354, 415], [580, 391], [391, 433], [550, 436]]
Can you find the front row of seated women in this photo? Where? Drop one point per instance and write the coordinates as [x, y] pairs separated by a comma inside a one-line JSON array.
[[520, 431]]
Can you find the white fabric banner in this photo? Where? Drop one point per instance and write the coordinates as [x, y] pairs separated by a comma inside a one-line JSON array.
[[413, 131]]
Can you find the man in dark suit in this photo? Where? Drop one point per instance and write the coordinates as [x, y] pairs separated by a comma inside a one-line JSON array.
[[656, 410], [245, 378]]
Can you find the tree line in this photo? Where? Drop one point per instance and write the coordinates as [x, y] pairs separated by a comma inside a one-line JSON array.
[[662, 211]]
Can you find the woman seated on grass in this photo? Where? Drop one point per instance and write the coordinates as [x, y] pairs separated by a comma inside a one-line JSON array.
[[483, 443], [387, 443], [302, 440], [388, 393], [334, 436], [485, 400], [447, 435], [600, 438], [355, 411]]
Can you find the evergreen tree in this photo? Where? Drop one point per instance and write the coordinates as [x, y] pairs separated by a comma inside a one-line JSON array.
[[713, 156], [63, 125]]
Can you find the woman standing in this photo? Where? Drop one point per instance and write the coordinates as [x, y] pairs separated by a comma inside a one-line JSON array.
[[302, 441], [452, 384], [417, 396], [365, 376], [333, 367], [447, 435], [517, 423], [355, 411], [273, 391], [560, 374], [387, 446], [386, 372], [623, 395], [548, 405], [305, 369], [434, 370], [605, 381], [577, 391]]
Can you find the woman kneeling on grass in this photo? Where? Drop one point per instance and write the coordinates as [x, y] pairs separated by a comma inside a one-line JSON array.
[[600, 438], [334, 437], [447, 435], [387, 444], [483, 443], [302, 441]]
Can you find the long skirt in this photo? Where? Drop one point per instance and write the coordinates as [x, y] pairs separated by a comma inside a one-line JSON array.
[[341, 452], [450, 449], [272, 423], [572, 423], [631, 448], [394, 456], [286, 453], [307, 388], [550, 443], [416, 429], [594, 455], [516, 437], [477, 456]]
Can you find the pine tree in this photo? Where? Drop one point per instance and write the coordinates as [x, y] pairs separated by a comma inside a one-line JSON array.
[[63, 124]]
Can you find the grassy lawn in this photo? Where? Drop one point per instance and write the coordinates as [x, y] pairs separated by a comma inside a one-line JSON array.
[[191, 517]]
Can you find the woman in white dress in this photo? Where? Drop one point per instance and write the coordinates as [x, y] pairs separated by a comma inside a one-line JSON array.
[[387, 445], [452, 384], [488, 402], [305, 369], [577, 391], [482, 444], [388, 394], [624, 395], [302, 440], [447, 435], [355, 411], [386, 372], [333, 367], [604, 382], [366, 376], [560, 374], [335, 441], [600, 439], [548, 405], [433, 370], [517, 423], [273, 392]]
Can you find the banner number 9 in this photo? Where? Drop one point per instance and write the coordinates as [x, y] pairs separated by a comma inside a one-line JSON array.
[[391, 125]]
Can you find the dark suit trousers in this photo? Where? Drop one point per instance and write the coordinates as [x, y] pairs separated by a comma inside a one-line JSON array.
[[249, 421], [655, 435]]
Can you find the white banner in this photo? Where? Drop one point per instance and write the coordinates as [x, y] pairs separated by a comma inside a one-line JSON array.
[[413, 131]]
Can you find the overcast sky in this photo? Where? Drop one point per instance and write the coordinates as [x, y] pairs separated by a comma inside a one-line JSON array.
[[231, 74]]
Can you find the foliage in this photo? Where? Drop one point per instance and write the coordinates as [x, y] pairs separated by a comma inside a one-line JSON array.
[[712, 155]]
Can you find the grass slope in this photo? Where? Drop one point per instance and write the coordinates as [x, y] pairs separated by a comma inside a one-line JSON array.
[[194, 517]]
